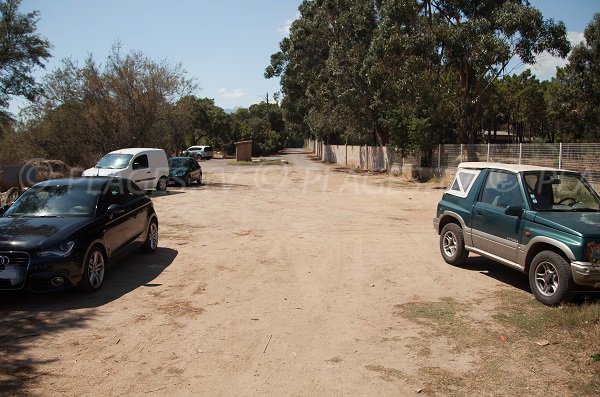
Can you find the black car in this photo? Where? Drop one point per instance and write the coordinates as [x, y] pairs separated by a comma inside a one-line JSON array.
[[64, 232], [184, 170]]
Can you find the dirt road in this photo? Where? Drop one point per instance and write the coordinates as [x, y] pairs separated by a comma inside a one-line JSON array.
[[274, 280]]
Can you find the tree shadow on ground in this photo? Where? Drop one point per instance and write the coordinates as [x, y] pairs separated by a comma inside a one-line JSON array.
[[25, 318]]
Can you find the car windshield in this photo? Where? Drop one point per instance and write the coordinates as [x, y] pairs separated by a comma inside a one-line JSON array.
[[178, 162], [54, 202], [555, 191], [114, 161]]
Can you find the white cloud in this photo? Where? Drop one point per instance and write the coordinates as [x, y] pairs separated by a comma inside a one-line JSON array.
[[545, 67], [288, 24], [237, 93]]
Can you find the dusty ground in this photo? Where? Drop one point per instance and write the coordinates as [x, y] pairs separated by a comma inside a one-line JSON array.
[[285, 280]]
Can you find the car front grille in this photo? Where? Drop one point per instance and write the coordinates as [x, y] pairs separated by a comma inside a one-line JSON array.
[[13, 269]]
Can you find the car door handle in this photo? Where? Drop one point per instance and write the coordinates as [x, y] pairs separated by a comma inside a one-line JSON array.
[[478, 213]]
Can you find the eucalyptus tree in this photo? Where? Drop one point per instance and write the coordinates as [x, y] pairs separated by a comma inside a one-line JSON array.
[[21, 51], [575, 92]]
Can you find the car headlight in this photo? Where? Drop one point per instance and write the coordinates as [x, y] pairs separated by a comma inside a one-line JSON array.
[[593, 253], [60, 251]]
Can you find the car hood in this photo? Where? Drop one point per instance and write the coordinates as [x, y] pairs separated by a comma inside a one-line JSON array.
[[585, 224], [23, 233], [101, 172]]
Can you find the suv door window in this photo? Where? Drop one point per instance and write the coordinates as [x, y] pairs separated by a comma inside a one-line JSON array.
[[502, 190]]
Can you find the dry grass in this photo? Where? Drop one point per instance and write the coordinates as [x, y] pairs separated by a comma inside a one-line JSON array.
[[522, 346]]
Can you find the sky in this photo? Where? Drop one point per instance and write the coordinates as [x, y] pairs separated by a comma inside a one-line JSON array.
[[225, 45]]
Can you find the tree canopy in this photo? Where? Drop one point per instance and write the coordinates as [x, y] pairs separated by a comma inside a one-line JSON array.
[[410, 72], [21, 50]]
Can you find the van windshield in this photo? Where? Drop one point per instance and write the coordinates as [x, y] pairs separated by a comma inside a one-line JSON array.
[[114, 161]]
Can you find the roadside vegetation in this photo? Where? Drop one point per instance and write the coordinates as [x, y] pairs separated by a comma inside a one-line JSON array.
[[418, 73], [560, 345], [86, 108]]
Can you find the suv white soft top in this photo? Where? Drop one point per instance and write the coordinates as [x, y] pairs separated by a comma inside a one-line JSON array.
[[506, 167]]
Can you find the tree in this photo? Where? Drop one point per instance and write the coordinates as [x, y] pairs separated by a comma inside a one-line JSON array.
[[93, 109], [21, 50], [575, 92], [410, 72]]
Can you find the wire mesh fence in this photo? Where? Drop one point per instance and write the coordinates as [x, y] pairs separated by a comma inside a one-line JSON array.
[[581, 157]]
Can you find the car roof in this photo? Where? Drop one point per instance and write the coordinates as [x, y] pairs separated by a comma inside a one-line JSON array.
[[135, 150], [516, 168], [198, 147], [92, 182]]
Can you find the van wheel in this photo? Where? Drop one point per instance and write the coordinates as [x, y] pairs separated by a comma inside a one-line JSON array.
[[452, 245], [550, 279], [161, 186]]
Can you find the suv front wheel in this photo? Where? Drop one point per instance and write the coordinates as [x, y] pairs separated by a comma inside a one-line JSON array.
[[550, 279], [452, 244]]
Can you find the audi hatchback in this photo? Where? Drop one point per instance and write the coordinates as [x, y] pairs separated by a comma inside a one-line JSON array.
[[65, 232]]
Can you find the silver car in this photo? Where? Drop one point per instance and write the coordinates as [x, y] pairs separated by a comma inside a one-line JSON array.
[[199, 152]]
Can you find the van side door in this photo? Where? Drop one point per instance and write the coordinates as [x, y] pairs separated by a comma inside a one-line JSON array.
[[141, 173]]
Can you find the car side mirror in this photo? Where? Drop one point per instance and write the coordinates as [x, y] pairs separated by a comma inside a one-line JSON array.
[[514, 210], [115, 209], [137, 166]]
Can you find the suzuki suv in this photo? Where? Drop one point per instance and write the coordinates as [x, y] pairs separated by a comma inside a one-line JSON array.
[[544, 222]]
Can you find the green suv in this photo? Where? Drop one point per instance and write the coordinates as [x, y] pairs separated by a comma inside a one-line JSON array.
[[545, 222]]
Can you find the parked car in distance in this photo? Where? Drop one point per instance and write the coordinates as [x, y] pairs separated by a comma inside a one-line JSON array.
[[65, 232], [199, 152], [184, 170], [147, 167], [544, 222]]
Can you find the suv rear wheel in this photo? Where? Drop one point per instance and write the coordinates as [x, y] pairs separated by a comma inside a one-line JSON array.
[[452, 244], [550, 279]]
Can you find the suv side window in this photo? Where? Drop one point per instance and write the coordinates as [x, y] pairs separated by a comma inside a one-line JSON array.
[[463, 181], [502, 190], [140, 162]]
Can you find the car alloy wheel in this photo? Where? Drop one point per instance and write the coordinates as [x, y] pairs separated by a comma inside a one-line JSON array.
[[93, 270], [151, 243], [450, 244], [546, 278]]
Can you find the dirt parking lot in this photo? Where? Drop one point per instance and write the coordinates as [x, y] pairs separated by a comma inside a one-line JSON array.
[[292, 280]]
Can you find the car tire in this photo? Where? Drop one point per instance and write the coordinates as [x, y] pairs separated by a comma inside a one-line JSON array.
[[188, 181], [151, 242], [199, 180], [94, 267], [452, 245], [161, 185], [550, 279]]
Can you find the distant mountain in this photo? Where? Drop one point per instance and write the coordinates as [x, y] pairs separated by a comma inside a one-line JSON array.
[[230, 111]]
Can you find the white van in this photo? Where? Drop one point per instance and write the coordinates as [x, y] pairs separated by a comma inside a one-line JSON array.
[[148, 168]]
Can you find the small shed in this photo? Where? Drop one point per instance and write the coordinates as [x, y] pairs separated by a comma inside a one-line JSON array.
[[243, 151]]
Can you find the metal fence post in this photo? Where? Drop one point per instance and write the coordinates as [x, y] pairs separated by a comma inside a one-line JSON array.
[[461, 153], [520, 152], [488, 154], [560, 156], [439, 156]]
